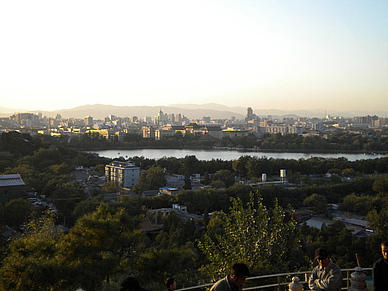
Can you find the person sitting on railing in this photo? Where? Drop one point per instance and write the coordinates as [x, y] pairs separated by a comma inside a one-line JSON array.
[[327, 275], [380, 270], [234, 281]]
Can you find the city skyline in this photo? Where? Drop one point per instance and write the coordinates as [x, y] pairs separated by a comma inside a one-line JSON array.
[[294, 55]]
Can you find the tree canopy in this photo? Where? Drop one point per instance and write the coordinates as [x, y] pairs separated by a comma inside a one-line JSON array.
[[251, 234]]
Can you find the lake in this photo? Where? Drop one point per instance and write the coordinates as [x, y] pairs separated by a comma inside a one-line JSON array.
[[224, 154]]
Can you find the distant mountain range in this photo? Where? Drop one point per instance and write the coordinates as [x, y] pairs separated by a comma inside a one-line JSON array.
[[191, 111]]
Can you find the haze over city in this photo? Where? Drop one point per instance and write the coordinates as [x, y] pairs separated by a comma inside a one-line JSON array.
[[286, 55]]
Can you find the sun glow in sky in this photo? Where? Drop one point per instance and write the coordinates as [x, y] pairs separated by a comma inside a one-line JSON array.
[[263, 54]]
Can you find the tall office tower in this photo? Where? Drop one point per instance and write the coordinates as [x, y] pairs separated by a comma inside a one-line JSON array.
[[249, 113], [178, 118], [161, 118], [88, 121]]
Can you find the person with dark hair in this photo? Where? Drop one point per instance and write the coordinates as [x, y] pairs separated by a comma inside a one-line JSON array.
[[131, 284], [234, 281], [380, 269], [170, 283], [327, 275]]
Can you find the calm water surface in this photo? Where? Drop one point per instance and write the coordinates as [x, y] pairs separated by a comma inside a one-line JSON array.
[[222, 154]]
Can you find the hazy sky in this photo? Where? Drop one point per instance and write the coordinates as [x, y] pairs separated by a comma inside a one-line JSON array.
[[308, 54]]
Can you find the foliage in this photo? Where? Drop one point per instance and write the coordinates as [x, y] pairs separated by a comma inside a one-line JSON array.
[[151, 179], [17, 212], [224, 176], [87, 206], [105, 245], [378, 220], [318, 202], [252, 235], [187, 185], [361, 204], [65, 197], [111, 187], [155, 264], [101, 244], [32, 261], [380, 185]]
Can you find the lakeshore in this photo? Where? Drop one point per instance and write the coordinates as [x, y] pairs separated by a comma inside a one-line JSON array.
[[228, 154]]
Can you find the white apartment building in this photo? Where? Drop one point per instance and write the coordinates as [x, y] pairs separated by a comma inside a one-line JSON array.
[[125, 173], [283, 129]]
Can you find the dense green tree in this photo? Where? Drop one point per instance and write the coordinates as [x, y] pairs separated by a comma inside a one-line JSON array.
[[240, 166], [335, 179], [100, 245], [350, 172], [17, 143], [218, 184], [40, 181], [65, 197], [133, 206], [380, 185], [151, 179], [51, 184], [87, 206], [359, 203], [252, 235], [18, 212], [100, 168], [225, 176], [32, 261], [61, 169], [189, 164], [156, 264], [111, 187], [318, 202], [378, 220], [187, 185]]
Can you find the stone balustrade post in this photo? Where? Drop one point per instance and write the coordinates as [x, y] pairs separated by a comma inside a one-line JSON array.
[[358, 280], [295, 285]]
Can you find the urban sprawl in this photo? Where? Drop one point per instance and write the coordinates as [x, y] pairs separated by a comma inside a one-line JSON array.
[[166, 125]]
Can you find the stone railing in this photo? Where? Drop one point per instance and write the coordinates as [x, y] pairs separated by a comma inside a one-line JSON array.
[[354, 280]]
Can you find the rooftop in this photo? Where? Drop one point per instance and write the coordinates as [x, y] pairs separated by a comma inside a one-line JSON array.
[[11, 180]]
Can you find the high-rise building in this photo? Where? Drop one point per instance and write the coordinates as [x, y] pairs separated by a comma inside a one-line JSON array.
[[171, 117], [249, 113], [124, 173], [27, 118], [88, 121], [161, 118]]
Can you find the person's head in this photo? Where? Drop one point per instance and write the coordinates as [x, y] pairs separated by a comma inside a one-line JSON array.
[[131, 284], [238, 274], [322, 256], [170, 283], [384, 249]]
